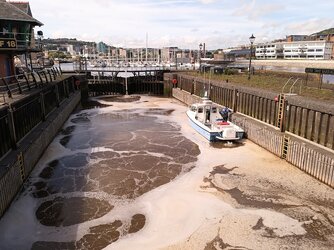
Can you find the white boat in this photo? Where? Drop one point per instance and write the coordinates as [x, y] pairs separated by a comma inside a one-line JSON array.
[[205, 119]]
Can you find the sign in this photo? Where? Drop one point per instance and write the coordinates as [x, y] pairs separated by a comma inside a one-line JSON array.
[[320, 71], [8, 43]]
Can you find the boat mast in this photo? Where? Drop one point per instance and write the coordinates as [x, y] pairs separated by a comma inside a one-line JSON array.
[[146, 46]]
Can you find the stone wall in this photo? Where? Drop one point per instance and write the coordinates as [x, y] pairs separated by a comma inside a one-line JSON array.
[[18, 164]]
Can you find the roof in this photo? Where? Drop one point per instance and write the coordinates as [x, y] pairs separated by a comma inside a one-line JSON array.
[[10, 11], [239, 52], [24, 6]]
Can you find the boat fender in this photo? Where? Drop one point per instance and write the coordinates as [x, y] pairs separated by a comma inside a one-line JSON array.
[[223, 123], [77, 83]]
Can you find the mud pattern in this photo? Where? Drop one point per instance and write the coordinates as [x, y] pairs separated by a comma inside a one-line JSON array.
[[218, 244], [98, 238], [66, 212]]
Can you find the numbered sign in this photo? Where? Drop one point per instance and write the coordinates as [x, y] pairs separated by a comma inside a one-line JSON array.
[[8, 43]]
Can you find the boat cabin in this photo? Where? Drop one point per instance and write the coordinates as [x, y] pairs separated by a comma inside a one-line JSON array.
[[205, 112]]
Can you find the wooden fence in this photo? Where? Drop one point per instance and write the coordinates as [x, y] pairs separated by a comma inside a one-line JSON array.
[[258, 113], [314, 124]]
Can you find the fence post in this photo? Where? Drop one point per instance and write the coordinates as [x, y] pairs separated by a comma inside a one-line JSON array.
[[11, 126], [235, 100], [66, 89], [57, 95], [43, 106]]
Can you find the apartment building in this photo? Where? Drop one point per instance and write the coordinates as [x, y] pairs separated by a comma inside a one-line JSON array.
[[308, 50], [317, 50], [269, 51]]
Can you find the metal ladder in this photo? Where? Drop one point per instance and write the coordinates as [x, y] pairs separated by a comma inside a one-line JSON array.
[[281, 108], [285, 147], [21, 165]]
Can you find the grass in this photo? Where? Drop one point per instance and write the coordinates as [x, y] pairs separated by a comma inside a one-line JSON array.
[[274, 81]]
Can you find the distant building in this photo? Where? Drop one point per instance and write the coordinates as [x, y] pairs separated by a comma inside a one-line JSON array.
[[295, 50], [296, 38], [269, 51], [238, 54], [101, 47], [308, 50], [219, 55], [17, 34], [325, 35], [168, 54]]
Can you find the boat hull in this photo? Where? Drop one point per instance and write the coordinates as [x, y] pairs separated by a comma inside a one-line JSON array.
[[211, 136]]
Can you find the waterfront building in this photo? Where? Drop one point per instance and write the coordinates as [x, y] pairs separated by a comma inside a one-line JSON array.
[[16, 34], [308, 49], [102, 48], [296, 38], [269, 51]]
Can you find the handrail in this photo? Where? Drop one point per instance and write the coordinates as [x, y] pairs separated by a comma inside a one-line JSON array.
[[293, 85], [286, 84], [19, 83]]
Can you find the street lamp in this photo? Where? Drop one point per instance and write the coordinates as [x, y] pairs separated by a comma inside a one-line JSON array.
[[251, 39], [200, 55]]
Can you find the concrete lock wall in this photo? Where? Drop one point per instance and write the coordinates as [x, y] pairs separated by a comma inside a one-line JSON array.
[[308, 156], [18, 164]]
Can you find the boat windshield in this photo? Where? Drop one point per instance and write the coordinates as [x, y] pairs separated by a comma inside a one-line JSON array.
[[193, 108], [200, 110]]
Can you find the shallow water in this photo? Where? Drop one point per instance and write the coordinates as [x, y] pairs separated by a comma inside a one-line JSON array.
[[132, 174]]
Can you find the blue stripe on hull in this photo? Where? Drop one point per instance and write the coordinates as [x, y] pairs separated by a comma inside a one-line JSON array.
[[206, 134]]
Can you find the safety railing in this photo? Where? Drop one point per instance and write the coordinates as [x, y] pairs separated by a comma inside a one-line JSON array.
[[22, 83]]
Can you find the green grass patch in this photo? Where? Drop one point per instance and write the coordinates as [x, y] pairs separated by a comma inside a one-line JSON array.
[[274, 81]]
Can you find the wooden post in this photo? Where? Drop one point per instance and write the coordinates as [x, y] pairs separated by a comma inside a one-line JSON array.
[[43, 106], [235, 100], [11, 126]]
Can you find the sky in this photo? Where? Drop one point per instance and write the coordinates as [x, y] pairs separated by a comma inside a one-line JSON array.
[[181, 23]]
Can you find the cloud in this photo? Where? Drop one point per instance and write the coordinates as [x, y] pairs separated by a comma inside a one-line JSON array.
[[309, 26], [207, 1], [183, 23], [254, 10]]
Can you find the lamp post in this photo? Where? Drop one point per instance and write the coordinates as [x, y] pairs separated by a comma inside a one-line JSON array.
[[200, 55], [251, 39]]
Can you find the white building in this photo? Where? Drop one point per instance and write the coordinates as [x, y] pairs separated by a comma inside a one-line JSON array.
[[269, 51], [308, 50], [316, 50]]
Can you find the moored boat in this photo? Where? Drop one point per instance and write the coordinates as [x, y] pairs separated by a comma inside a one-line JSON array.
[[206, 119]]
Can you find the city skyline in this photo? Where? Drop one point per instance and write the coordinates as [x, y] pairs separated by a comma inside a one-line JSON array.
[[182, 23]]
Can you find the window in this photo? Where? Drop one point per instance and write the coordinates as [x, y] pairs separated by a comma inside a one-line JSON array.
[[200, 110], [318, 50], [214, 109], [193, 108]]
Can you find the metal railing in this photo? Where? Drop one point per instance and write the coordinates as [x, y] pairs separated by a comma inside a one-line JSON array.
[[22, 83]]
